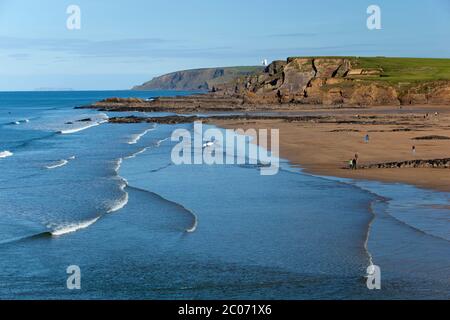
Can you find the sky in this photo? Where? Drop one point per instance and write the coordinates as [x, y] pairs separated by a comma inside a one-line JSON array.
[[125, 43]]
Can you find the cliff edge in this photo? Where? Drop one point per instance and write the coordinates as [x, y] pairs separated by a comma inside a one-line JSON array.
[[345, 81]]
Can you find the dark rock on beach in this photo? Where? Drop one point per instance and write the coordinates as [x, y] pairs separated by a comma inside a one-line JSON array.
[[433, 163], [433, 137]]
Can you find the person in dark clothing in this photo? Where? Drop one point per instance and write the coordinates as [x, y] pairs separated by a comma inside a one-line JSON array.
[[354, 162]]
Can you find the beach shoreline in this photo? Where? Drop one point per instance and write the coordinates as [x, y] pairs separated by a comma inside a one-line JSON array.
[[396, 144], [325, 149]]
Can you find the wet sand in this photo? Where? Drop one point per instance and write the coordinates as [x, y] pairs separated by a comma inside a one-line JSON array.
[[326, 148]]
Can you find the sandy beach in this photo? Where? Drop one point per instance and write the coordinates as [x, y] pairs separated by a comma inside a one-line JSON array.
[[327, 148]]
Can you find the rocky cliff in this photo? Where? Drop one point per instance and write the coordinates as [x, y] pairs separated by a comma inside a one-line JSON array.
[[197, 79], [345, 81]]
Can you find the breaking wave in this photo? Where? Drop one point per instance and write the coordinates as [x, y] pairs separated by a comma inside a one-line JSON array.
[[60, 163], [137, 153], [5, 154], [159, 142], [123, 201], [134, 155], [72, 227], [136, 137], [74, 130], [194, 225], [20, 122]]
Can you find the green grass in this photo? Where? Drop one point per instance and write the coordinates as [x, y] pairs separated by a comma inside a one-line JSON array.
[[398, 70], [402, 70]]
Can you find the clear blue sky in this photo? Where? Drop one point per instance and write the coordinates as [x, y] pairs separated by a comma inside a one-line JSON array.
[[123, 43]]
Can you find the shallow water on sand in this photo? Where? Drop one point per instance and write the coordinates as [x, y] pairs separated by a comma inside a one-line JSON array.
[[108, 199]]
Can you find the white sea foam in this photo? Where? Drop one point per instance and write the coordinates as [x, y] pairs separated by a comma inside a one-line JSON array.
[[137, 153], [103, 116], [118, 164], [366, 241], [119, 204], [136, 137], [158, 143], [103, 119], [194, 226], [122, 202], [5, 154], [60, 163], [72, 227], [73, 130], [20, 121]]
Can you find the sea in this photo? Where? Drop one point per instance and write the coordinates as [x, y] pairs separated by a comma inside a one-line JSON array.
[[106, 200]]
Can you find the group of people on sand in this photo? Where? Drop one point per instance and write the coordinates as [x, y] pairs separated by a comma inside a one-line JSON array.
[[353, 163], [427, 115]]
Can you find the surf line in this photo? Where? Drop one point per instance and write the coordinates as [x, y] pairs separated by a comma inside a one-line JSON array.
[[19, 122], [369, 228], [119, 204], [135, 138], [6, 154], [134, 155], [72, 227], [60, 163], [74, 130]]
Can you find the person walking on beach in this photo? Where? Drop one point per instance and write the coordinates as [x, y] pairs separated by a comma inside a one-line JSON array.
[[356, 161], [366, 138], [354, 164], [413, 150]]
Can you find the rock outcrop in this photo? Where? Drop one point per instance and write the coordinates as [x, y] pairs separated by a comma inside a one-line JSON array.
[[434, 92], [330, 81], [433, 163]]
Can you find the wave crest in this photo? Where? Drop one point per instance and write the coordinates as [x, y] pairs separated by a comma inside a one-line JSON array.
[[72, 227], [74, 130], [18, 122], [60, 163], [5, 154], [136, 137]]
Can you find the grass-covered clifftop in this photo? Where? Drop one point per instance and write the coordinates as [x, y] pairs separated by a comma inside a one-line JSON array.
[[398, 70]]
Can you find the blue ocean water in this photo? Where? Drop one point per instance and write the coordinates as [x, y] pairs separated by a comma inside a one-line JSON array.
[[107, 198]]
